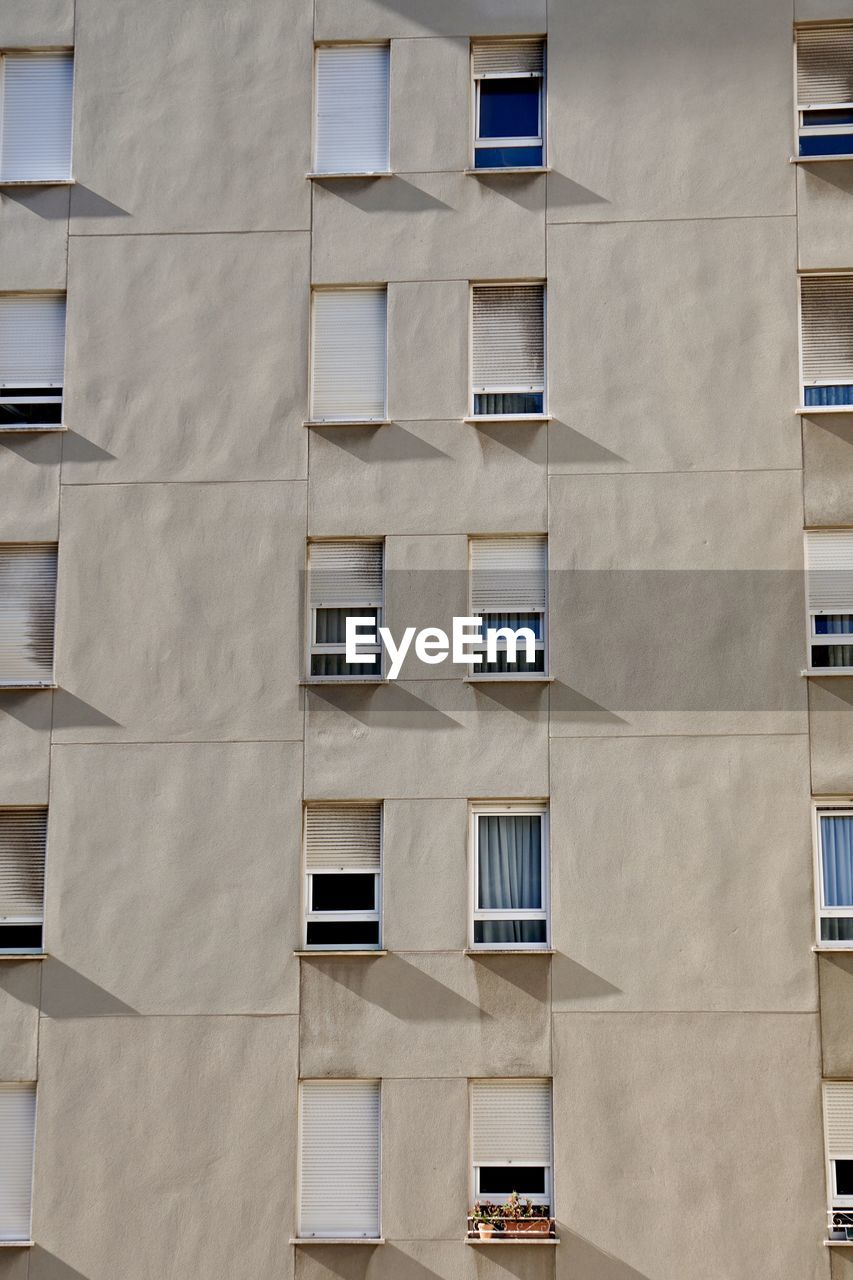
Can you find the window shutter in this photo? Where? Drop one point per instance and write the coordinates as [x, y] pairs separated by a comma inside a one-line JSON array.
[[829, 560], [349, 354], [838, 1107], [507, 57], [825, 64], [509, 337], [352, 108], [17, 1137], [23, 839], [509, 575], [511, 1120], [827, 311], [32, 340], [339, 1191], [342, 835], [27, 607], [35, 144], [344, 573]]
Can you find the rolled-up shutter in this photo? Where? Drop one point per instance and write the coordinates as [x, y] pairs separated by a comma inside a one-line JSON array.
[[511, 1121], [838, 1108], [23, 838], [32, 340], [342, 835], [507, 57], [825, 64], [345, 572], [340, 1136], [349, 354], [17, 1136], [508, 337], [509, 575], [35, 139], [27, 609], [829, 561], [352, 108], [827, 319]]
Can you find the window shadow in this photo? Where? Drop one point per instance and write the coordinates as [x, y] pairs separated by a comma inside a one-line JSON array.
[[519, 188], [337, 1260], [384, 706], [46, 1266], [402, 990], [76, 448], [86, 203], [530, 973], [528, 439], [390, 443], [32, 710], [569, 706], [572, 981], [50, 203], [528, 701], [838, 175], [39, 450], [65, 993], [70, 712], [563, 190], [568, 447], [586, 1259], [383, 195]]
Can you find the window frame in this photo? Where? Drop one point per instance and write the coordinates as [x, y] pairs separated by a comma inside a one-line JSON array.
[[474, 1168], [504, 808], [71, 51], [333, 1080], [813, 640], [804, 130], [333, 917], [827, 808], [479, 143], [315, 108], [312, 419], [321, 649], [516, 389], [806, 384], [54, 393], [543, 645]]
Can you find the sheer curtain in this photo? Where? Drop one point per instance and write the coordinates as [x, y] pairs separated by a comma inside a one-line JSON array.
[[510, 874], [836, 838]]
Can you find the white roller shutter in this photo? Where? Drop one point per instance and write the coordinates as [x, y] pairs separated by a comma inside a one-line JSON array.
[[27, 608], [32, 340], [827, 320], [349, 359], [352, 108], [508, 337], [339, 836], [838, 1107], [17, 1137], [509, 575], [507, 57], [35, 141], [340, 1137], [825, 64], [23, 839], [511, 1121], [829, 561], [345, 573]]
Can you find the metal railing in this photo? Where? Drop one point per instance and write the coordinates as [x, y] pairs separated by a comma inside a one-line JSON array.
[[505, 1229], [841, 1224]]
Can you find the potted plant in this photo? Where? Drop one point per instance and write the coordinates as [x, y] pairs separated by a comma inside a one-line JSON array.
[[523, 1218], [486, 1220]]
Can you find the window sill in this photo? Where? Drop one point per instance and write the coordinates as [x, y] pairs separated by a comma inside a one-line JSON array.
[[838, 1244], [16, 1244], [339, 955], [350, 173], [508, 679], [11, 686], [818, 159], [516, 170], [336, 1240], [508, 951], [347, 422], [820, 949], [22, 955], [523, 1240], [477, 419], [311, 682], [37, 182], [31, 428], [821, 673], [808, 410]]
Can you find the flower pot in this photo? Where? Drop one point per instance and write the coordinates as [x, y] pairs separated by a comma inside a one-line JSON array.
[[529, 1227], [486, 1230]]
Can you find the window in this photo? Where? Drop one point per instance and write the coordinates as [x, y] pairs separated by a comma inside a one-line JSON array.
[[343, 858], [838, 1129], [352, 109], [32, 360], [827, 340], [339, 1125], [346, 580], [27, 607], [508, 350], [825, 89], [23, 839], [511, 1141], [834, 838], [509, 103], [17, 1140], [35, 139], [509, 844], [509, 591], [349, 355], [829, 578]]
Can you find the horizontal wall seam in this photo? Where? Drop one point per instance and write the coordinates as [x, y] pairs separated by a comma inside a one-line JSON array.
[[115, 235], [615, 222]]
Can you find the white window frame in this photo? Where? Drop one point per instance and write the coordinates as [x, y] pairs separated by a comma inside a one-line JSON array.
[[508, 389], [316, 648], [813, 640], [24, 920], [805, 130], [332, 1235], [335, 917], [818, 382], [315, 108], [40, 182], [541, 646], [348, 420], [507, 808], [474, 1186], [827, 808], [53, 394], [482, 144]]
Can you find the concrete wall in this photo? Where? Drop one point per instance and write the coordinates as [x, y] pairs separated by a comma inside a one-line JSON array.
[[679, 1015]]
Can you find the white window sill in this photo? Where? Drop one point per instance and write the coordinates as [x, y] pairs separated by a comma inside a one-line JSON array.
[[820, 673], [37, 182], [522, 1240], [22, 955], [339, 954], [476, 419], [808, 410], [509, 679], [350, 173], [16, 1244], [509, 951], [823, 949], [32, 427], [818, 159], [513, 169], [12, 685], [347, 422], [838, 1244], [336, 1240], [311, 681]]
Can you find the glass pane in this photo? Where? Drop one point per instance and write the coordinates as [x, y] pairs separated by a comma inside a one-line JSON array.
[[331, 623], [343, 893], [843, 1177], [520, 667], [528, 1182], [362, 933], [515, 621], [513, 933], [838, 115], [836, 929], [841, 394], [832, 655], [827, 144], [13, 937], [833, 624], [335, 664], [507, 157], [22, 415], [836, 841], [509, 108], [509, 862], [493, 404]]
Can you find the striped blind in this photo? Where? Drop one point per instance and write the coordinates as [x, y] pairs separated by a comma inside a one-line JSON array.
[[509, 337], [339, 836], [35, 140], [838, 1107], [509, 575], [345, 573], [27, 608], [511, 1121], [339, 1186], [349, 360], [507, 57], [32, 339], [829, 561], [352, 108], [17, 1137], [827, 319], [23, 839], [825, 64]]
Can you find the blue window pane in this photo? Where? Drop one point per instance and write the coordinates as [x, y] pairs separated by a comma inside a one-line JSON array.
[[833, 624], [839, 115], [829, 395], [836, 834], [509, 108], [827, 144], [507, 157]]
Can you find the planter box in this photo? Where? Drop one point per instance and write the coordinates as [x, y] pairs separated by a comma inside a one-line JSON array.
[[528, 1227]]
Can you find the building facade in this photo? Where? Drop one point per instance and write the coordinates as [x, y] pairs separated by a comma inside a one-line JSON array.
[[412, 310]]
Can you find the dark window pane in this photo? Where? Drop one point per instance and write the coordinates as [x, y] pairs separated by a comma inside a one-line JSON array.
[[343, 893], [509, 108], [827, 144], [519, 933], [837, 115], [507, 157], [832, 655], [836, 929], [335, 664], [21, 415], [514, 620], [815, 396], [16, 936], [493, 404], [844, 1177], [504, 667], [362, 933], [528, 1182], [331, 623], [834, 624]]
